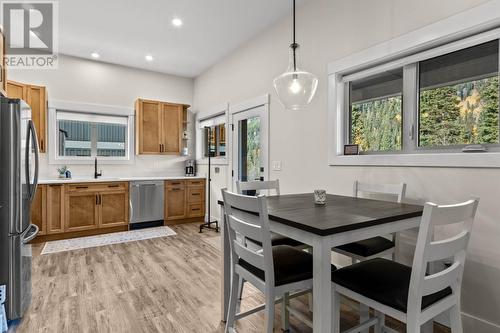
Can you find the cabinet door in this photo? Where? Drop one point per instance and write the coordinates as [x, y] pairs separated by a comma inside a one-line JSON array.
[[149, 129], [38, 210], [175, 202], [35, 97], [55, 209], [16, 90], [113, 208], [81, 211], [3, 72], [171, 128]]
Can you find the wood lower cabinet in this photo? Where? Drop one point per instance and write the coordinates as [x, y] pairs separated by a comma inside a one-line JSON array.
[[55, 209], [113, 208], [38, 209], [184, 200], [81, 211]]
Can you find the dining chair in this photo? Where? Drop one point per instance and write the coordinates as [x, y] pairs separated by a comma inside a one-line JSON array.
[[410, 294], [377, 246], [276, 271]]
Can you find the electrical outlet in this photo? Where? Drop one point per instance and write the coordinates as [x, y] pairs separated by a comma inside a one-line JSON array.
[[277, 165]]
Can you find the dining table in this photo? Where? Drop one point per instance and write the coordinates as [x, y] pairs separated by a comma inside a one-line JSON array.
[[341, 220]]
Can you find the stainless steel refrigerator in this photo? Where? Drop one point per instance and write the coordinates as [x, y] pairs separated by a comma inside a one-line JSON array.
[[18, 183]]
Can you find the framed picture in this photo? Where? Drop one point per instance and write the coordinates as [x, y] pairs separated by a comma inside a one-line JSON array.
[[351, 149]]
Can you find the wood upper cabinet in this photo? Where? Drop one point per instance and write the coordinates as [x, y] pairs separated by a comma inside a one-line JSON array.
[[92, 206], [3, 68], [159, 127], [36, 97]]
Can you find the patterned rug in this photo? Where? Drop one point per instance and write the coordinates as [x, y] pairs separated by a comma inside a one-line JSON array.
[[106, 239]]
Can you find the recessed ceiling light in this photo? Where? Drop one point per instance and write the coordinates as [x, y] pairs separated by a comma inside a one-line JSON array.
[[149, 57], [177, 22], [95, 55]]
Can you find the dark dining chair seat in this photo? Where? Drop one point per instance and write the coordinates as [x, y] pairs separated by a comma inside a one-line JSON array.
[[368, 247], [384, 281]]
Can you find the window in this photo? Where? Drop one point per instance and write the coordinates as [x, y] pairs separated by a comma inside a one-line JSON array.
[[215, 140], [458, 97], [376, 105], [443, 100], [81, 135]]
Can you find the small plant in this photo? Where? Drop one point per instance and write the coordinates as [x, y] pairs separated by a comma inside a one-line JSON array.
[[62, 170]]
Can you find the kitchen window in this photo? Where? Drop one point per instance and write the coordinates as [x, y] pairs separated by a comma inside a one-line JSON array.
[[443, 100], [84, 136], [212, 138]]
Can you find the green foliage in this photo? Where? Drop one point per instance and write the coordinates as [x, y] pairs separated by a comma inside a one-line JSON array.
[[253, 148], [488, 119]]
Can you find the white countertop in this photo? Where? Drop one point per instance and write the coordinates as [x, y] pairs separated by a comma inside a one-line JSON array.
[[110, 179]]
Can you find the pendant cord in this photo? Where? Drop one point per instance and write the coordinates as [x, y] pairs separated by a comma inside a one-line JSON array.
[[294, 43]]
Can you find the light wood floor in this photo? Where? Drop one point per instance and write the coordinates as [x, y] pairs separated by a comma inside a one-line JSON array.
[[169, 284]]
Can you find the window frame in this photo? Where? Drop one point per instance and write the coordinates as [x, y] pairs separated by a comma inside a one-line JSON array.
[[211, 117], [90, 110], [411, 154]]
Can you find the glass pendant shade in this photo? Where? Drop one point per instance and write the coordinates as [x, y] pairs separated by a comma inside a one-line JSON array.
[[295, 87]]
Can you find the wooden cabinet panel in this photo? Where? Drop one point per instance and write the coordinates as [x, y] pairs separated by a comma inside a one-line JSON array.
[[149, 136], [196, 209], [38, 210], [3, 68], [196, 182], [175, 202], [36, 99], [81, 211], [177, 183], [55, 209], [99, 187], [113, 209], [171, 128], [195, 194], [16, 90]]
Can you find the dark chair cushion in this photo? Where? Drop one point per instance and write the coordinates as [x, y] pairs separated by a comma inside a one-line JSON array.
[[277, 239], [384, 281], [290, 265], [368, 247]]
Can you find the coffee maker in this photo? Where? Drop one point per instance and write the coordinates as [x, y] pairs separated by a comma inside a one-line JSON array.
[[190, 168]]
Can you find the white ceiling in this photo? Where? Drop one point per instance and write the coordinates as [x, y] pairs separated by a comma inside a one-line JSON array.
[[124, 31]]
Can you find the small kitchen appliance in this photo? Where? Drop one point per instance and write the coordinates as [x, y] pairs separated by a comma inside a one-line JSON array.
[[190, 168]]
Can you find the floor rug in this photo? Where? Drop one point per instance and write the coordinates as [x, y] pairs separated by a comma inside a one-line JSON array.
[[106, 239]]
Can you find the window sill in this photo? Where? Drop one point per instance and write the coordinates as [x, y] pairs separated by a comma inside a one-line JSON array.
[[448, 160]]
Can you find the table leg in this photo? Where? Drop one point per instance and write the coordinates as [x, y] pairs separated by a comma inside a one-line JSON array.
[[225, 266], [322, 286]]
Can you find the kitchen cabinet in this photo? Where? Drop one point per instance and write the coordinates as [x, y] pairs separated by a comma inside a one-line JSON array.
[[159, 127], [94, 206], [184, 200], [3, 68], [36, 97], [47, 209]]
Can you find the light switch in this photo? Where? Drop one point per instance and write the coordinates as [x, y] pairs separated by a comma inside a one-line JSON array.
[[277, 165]]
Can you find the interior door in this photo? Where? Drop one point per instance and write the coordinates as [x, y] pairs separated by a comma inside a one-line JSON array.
[[250, 145]]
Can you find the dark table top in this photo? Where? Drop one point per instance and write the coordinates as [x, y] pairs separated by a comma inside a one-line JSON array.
[[338, 215]]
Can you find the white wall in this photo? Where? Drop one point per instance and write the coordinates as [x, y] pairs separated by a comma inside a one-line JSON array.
[[87, 81], [329, 30]]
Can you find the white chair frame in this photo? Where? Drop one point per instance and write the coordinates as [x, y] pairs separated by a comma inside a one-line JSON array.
[[248, 217], [427, 251], [398, 190], [256, 185]]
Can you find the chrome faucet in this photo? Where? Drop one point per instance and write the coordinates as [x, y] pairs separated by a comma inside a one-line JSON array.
[[96, 174]]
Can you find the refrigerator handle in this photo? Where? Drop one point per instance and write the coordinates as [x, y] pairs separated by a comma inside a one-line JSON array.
[[33, 186]]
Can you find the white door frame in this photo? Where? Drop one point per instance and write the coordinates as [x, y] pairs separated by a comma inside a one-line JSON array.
[[234, 111]]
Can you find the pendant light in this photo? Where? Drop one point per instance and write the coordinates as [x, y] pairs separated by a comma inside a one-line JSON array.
[[295, 87]]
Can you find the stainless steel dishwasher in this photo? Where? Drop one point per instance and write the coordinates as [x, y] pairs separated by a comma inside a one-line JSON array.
[[146, 201]]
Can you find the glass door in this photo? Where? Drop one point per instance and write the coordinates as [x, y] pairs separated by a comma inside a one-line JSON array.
[[250, 145]]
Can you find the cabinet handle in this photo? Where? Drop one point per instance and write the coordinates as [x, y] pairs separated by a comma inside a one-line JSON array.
[[81, 187], [195, 193], [100, 199], [176, 183], [176, 189], [97, 199], [113, 185], [193, 209], [41, 145]]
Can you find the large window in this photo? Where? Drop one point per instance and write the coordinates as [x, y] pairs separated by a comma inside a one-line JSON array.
[[212, 133], [81, 135], [444, 100]]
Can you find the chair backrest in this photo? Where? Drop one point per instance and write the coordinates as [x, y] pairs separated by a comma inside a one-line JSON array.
[[398, 190], [429, 250], [247, 216], [257, 186]]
